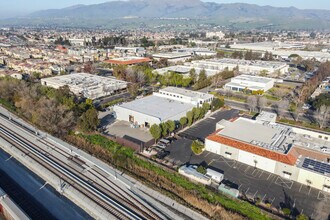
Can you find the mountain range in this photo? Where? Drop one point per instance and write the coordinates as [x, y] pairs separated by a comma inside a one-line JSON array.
[[154, 12]]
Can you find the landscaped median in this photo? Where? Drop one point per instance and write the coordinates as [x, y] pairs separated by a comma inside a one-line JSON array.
[[215, 205]]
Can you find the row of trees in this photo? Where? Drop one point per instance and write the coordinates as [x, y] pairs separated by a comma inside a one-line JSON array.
[[53, 110], [164, 129], [248, 55], [304, 92]]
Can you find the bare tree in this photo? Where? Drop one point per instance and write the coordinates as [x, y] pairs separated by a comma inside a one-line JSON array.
[[262, 103], [282, 107], [252, 102], [141, 77], [322, 115]]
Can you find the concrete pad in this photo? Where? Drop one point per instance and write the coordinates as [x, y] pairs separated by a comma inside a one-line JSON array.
[[122, 128]]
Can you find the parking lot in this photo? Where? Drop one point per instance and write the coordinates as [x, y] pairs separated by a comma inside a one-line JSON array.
[[276, 190], [207, 126]]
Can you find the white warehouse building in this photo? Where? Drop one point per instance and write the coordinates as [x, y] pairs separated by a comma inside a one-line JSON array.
[[252, 83], [170, 103], [87, 85], [245, 66]]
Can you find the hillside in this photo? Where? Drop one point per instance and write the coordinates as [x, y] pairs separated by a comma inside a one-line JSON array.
[[146, 11]]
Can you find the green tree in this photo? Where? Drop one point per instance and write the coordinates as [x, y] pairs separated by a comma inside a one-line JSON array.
[[164, 129], [193, 75], [320, 100], [197, 113], [206, 106], [89, 120], [190, 117], [216, 104], [170, 125], [197, 147], [183, 121], [155, 131]]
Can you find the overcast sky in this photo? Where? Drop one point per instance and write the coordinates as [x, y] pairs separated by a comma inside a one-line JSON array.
[[10, 8]]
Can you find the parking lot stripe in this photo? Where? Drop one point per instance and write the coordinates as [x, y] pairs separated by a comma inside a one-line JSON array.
[[255, 194], [246, 169], [240, 186], [261, 173], [272, 201], [211, 162], [263, 197], [301, 185], [269, 176], [247, 190], [310, 188]]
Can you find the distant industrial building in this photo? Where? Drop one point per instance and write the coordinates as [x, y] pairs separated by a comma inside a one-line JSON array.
[[244, 66], [283, 50], [86, 85], [218, 34], [197, 51], [128, 60], [292, 153], [184, 70], [252, 83], [214, 66], [168, 104], [173, 57]]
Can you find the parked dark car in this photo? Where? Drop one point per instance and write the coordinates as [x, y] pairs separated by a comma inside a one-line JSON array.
[[162, 154]]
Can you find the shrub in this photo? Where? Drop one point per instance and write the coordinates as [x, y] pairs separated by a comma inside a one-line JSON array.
[[197, 147], [302, 217], [286, 211], [201, 169]]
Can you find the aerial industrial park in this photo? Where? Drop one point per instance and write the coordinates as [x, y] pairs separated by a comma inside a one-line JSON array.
[[179, 117]]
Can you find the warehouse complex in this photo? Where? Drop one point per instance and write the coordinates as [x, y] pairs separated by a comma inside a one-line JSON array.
[[244, 66], [248, 82], [86, 85], [170, 103], [293, 153], [214, 66]]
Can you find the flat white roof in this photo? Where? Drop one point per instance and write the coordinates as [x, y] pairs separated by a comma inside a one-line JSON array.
[[252, 63], [172, 55], [249, 78], [270, 136], [188, 93], [158, 107]]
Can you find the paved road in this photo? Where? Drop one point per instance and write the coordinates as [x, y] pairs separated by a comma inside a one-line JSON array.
[[305, 116], [256, 183], [125, 95]]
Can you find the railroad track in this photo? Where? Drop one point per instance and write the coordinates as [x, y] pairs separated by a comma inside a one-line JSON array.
[[116, 192], [84, 186]]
